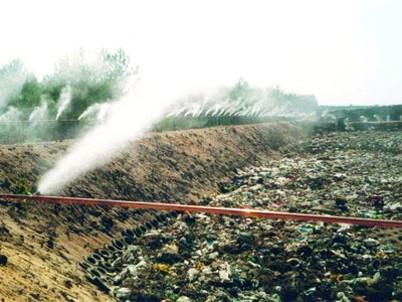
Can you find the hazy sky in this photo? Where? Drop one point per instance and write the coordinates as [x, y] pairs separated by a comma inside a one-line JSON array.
[[342, 51]]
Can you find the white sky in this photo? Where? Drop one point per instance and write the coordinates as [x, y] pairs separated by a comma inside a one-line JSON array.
[[344, 52]]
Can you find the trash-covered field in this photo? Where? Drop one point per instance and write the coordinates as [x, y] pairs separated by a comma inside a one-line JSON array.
[[41, 245], [219, 258]]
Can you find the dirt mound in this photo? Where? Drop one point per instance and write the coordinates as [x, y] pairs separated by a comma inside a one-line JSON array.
[[43, 244]]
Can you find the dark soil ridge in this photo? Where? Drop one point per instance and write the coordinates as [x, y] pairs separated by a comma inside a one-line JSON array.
[[46, 242]]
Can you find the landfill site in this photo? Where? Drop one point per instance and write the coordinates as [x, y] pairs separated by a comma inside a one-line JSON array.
[[200, 151], [55, 252]]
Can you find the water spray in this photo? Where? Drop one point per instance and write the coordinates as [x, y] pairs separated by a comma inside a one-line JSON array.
[[163, 206], [64, 101]]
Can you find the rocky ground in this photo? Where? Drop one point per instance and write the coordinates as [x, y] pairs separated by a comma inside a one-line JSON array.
[[219, 258]]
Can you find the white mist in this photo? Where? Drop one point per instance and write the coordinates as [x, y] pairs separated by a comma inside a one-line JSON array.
[[128, 119]]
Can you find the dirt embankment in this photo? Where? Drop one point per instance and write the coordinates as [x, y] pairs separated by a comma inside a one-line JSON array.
[[43, 244]]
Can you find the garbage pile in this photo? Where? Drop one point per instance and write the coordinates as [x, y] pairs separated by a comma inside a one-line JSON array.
[[222, 258]]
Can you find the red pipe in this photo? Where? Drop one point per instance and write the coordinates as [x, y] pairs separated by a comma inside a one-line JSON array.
[[206, 209]]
